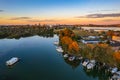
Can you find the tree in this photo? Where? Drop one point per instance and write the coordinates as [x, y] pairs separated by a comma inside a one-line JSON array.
[[117, 56], [67, 40], [74, 47], [103, 53]]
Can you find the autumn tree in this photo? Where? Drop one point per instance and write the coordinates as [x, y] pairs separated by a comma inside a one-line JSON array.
[[117, 57], [103, 53], [68, 42], [65, 42], [74, 47], [67, 32]]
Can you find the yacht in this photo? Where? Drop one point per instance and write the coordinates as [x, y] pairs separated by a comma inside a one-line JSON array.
[[12, 61]]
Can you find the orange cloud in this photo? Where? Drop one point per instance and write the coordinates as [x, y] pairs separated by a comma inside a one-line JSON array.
[[29, 20]]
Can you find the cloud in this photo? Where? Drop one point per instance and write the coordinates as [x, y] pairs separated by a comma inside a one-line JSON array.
[[1, 10], [100, 15], [104, 10], [46, 20], [20, 18], [110, 10], [29, 19]]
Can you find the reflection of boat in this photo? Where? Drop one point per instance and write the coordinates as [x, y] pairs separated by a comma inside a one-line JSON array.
[[85, 62], [56, 43], [116, 76], [71, 58], [12, 61], [59, 49], [91, 64], [114, 70], [65, 55]]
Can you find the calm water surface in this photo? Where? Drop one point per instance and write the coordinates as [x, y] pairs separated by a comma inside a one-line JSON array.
[[102, 28], [40, 61]]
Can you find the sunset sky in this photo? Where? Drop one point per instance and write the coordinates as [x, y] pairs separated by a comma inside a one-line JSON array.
[[59, 12]]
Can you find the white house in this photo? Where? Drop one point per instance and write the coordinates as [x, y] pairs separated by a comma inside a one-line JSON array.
[[90, 41]]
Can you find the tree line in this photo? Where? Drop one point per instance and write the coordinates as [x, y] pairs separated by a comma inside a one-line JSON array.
[[24, 31], [101, 52], [68, 42]]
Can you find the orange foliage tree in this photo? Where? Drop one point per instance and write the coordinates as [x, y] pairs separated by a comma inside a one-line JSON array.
[[117, 56], [66, 40], [66, 32], [74, 47], [68, 43]]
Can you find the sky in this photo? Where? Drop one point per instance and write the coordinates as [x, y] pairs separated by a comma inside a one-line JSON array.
[[59, 12]]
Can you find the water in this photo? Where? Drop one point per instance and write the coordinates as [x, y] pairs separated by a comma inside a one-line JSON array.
[[102, 28], [40, 61]]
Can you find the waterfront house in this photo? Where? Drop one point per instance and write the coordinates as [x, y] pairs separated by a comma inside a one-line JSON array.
[[90, 41], [90, 37], [115, 45], [116, 38]]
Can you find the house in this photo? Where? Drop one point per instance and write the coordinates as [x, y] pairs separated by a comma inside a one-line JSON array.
[[116, 38], [115, 45], [90, 39]]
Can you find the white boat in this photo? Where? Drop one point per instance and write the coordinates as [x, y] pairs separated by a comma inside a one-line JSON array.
[[65, 55], [116, 76], [56, 43], [114, 70], [80, 58], [59, 49], [71, 58], [12, 61], [85, 63], [91, 64]]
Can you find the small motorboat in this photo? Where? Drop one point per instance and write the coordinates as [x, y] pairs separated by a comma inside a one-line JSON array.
[[85, 62], [114, 70], [80, 58], [116, 76], [56, 43], [91, 64], [59, 49], [65, 55], [71, 58], [12, 61]]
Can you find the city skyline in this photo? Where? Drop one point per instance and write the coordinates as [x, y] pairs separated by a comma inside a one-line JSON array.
[[59, 12]]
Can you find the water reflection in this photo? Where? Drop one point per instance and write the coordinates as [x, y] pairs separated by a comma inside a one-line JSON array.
[[96, 72], [74, 64], [101, 74], [40, 61]]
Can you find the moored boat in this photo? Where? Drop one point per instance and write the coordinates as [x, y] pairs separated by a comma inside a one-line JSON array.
[[85, 62], [91, 64], [12, 61], [116, 76], [59, 49], [56, 43], [65, 55], [71, 58], [114, 70]]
